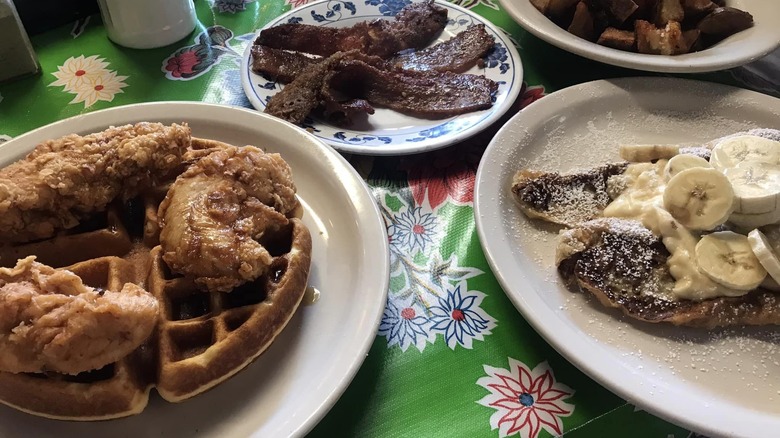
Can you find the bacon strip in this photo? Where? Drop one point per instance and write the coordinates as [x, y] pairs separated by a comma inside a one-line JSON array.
[[457, 54], [414, 27], [420, 94], [280, 65], [341, 81]]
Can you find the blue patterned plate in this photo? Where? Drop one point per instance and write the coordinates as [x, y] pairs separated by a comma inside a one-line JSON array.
[[388, 132]]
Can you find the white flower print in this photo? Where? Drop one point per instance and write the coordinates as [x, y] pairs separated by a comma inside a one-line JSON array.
[[103, 87], [75, 72], [89, 79], [412, 230]]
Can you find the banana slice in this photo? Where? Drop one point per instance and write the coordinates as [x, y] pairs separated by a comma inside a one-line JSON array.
[[750, 221], [765, 253], [678, 163], [699, 198], [727, 258], [734, 150], [756, 187], [648, 152]]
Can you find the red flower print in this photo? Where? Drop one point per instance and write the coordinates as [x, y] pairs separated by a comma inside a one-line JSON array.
[[529, 95], [183, 63], [526, 401], [442, 175]]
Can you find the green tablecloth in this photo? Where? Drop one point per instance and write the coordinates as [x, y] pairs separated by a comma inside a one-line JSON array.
[[452, 356]]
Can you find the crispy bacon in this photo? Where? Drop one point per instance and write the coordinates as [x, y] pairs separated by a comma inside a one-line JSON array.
[[457, 54], [421, 94], [414, 27], [280, 65], [345, 77]]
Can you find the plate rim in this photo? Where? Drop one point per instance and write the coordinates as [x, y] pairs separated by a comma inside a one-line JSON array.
[[529, 18], [626, 385], [497, 111], [370, 214]]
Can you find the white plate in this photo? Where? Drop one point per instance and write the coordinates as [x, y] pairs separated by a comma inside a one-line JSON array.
[[388, 132], [295, 382], [718, 383], [736, 50]]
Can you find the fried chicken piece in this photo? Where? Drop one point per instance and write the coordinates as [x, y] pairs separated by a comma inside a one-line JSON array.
[[217, 212], [51, 321], [64, 180]]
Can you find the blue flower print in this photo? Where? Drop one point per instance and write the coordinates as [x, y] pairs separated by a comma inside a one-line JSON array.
[[404, 326], [460, 318]]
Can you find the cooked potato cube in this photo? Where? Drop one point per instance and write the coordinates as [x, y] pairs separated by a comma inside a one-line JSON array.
[[646, 9], [725, 21], [655, 41], [668, 10], [692, 40], [697, 8], [618, 10], [542, 6], [582, 23], [618, 39]]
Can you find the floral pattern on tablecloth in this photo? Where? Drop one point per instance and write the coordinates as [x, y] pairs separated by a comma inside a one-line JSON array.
[[438, 198], [526, 400], [429, 293], [89, 79], [211, 47], [232, 6]]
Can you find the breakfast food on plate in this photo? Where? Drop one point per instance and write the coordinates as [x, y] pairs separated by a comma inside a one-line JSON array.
[[344, 72], [686, 235], [413, 27], [102, 311], [218, 211], [64, 180], [657, 27], [52, 321]]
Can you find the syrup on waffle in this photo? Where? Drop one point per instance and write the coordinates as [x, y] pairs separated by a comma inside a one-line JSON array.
[[201, 339]]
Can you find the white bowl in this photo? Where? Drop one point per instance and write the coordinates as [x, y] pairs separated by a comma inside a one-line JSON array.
[[739, 49]]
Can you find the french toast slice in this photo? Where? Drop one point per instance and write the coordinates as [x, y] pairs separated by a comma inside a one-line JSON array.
[[623, 264], [565, 199], [619, 261]]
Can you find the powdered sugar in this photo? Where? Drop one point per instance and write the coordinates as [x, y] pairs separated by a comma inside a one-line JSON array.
[[736, 365]]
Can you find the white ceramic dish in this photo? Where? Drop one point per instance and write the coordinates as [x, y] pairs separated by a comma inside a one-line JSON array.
[[288, 389], [736, 50], [720, 383], [388, 132]]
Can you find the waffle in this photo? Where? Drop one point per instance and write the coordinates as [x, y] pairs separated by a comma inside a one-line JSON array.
[[201, 339]]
